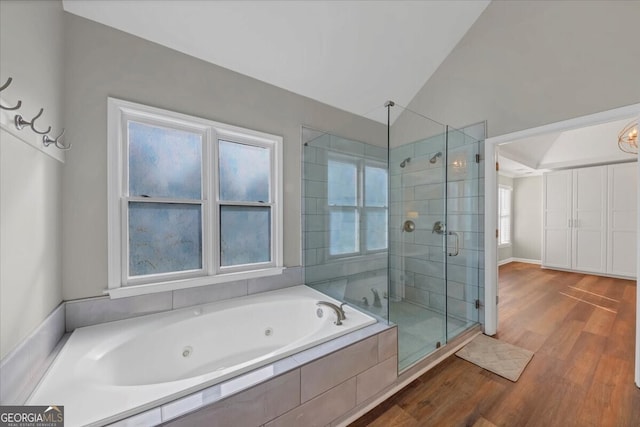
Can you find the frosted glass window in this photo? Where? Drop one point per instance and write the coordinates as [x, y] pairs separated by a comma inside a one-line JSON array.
[[245, 233], [164, 238], [191, 201], [342, 183], [343, 233], [375, 191], [376, 224], [245, 172], [164, 162]]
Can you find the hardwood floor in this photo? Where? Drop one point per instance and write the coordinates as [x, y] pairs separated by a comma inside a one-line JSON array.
[[582, 330]]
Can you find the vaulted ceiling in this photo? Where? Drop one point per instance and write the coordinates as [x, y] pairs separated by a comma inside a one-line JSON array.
[[353, 55]]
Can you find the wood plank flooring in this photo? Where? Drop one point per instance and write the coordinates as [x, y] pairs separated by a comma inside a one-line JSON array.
[[582, 330]]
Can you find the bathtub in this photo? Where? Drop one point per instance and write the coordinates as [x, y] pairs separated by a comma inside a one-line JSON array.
[[112, 370]]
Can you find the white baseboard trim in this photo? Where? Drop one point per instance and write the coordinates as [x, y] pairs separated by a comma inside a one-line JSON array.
[[525, 260]]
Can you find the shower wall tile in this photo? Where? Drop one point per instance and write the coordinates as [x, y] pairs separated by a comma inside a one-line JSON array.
[[429, 191], [397, 154], [206, 294], [424, 237], [429, 283], [315, 172], [314, 239], [310, 206], [375, 152], [417, 295], [347, 146], [315, 223], [463, 274], [92, 311], [436, 302], [461, 309], [315, 189], [310, 257]]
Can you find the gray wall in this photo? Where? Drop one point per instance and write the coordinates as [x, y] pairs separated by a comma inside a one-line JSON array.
[[528, 63], [527, 218], [507, 252], [104, 62], [31, 51]]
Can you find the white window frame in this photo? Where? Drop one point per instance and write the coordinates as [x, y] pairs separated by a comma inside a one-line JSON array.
[[119, 284], [361, 210], [501, 215]]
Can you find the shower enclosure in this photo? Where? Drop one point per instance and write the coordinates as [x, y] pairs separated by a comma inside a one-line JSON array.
[[397, 230]]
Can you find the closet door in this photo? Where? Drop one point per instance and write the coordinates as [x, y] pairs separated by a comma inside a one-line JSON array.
[[622, 219], [556, 205], [589, 241]]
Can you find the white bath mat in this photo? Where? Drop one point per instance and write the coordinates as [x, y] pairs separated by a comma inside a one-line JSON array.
[[504, 359]]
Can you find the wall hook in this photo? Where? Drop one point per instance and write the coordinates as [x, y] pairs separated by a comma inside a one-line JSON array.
[[47, 141], [21, 123], [4, 86]]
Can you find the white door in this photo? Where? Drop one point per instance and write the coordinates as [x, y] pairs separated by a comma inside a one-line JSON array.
[[622, 219], [589, 224], [556, 207]]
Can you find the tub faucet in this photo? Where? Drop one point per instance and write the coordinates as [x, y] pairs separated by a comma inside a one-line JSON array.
[[339, 311], [376, 298]]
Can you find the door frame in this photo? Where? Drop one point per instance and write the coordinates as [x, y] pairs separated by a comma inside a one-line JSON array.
[[491, 208]]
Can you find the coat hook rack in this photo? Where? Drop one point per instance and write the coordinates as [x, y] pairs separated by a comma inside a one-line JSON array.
[[3, 87], [47, 141], [21, 123]]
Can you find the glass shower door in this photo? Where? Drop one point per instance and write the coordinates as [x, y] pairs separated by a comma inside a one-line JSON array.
[[435, 234], [417, 224], [464, 237]]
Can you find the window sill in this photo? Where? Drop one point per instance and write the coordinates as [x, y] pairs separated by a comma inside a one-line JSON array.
[[152, 288], [505, 245]]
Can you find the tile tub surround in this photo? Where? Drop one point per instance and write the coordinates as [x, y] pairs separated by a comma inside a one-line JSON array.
[[328, 381], [92, 311], [22, 368]]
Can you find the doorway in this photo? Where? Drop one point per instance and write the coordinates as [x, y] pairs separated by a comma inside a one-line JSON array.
[[492, 149]]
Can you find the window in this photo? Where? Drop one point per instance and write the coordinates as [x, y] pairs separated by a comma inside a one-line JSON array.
[[191, 201], [504, 215], [357, 199]]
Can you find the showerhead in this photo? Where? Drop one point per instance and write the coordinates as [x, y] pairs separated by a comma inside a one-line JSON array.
[[405, 161], [434, 159]]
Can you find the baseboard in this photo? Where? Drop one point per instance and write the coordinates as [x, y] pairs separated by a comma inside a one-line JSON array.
[[525, 260]]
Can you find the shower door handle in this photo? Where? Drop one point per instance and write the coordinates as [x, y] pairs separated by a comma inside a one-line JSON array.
[[457, 236]]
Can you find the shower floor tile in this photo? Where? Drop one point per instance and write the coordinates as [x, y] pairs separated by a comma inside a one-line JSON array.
[[419, 330]]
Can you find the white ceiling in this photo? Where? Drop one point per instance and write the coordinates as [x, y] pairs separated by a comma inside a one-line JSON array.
[[585, 146], [354, 55]]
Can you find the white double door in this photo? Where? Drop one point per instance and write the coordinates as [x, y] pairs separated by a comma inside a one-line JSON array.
[[589, 219]]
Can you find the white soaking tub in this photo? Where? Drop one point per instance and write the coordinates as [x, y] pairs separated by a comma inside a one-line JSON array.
[[115, 369]]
